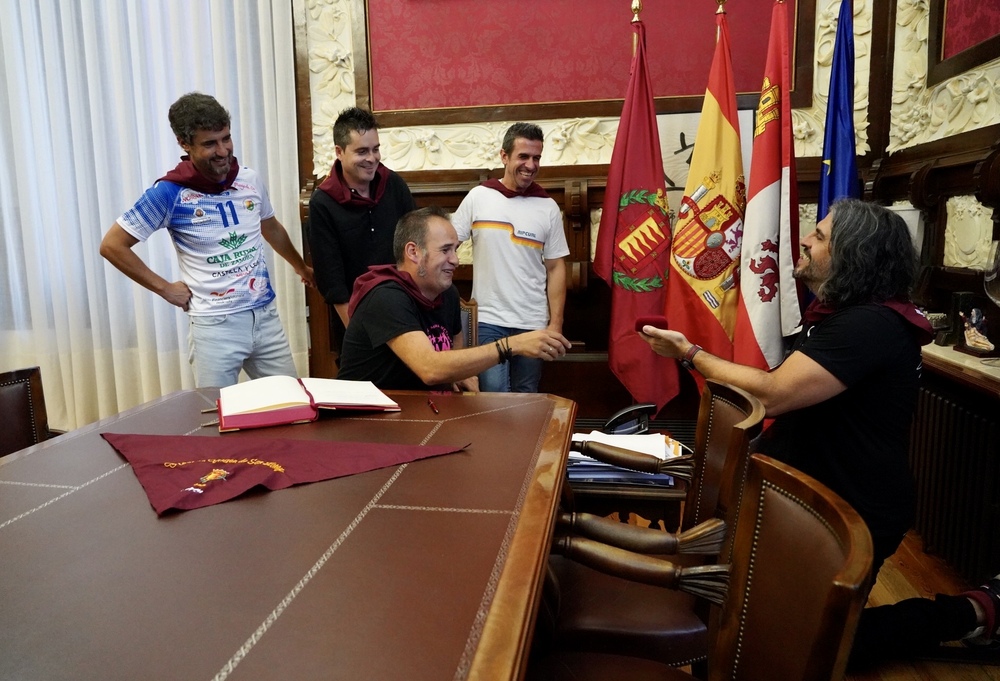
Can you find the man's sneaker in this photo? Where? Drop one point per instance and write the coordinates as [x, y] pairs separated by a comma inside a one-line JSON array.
[[988, 598]]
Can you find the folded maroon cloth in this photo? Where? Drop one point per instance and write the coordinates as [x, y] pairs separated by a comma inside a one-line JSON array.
[[187, 472], [336, 186], [533, 189], [186, 175], [379, 274]]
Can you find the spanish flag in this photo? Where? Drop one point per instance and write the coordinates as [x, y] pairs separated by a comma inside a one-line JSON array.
[[634, 239], [705, 253], [769, 300]]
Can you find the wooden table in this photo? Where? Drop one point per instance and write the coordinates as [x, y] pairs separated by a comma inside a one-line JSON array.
[[429, 570]]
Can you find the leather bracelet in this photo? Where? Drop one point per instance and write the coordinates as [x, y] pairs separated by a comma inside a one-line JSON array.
[[687, 361], [500, 352]]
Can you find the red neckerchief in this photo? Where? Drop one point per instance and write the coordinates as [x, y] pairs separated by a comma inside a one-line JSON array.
[[186, 175], [339, 191], [818, 311], [379, 274], [533, 189]]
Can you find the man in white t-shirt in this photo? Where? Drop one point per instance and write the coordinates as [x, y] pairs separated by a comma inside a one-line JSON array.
[[519, 247], [218, 215]]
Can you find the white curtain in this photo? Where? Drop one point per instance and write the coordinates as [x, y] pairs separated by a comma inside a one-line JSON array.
[[84, 90]]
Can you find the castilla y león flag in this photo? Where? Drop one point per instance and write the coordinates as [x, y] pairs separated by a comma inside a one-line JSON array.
[[708, 234], [769, 302], [634, 239]]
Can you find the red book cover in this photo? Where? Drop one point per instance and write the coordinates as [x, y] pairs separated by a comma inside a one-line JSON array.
[[262, 402], [303, 413]]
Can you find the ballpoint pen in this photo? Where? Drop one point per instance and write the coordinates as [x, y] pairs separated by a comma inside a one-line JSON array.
[[432, 406]]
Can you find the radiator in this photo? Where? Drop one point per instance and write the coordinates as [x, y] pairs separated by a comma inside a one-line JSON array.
[[955, 460]]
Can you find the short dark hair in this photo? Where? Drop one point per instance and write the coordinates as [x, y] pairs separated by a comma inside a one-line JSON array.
[[354, 119], [413, 227], [872, 257], [196, 111], [528, 131]]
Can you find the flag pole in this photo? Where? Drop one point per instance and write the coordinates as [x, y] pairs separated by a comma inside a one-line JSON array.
[[636, 9]]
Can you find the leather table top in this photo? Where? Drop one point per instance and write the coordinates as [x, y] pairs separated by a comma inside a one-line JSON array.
[[429, 570]]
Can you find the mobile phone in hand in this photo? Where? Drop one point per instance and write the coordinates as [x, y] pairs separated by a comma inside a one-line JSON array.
[[657, 320]]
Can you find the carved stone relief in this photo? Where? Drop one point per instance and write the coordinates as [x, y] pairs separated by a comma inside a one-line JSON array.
[[966, 102], [968, 234]]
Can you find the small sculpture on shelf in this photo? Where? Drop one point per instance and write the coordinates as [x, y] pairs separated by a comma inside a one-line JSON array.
[[975, 331]]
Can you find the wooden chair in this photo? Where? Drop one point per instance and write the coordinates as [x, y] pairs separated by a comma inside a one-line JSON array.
[[799, 575], [23, 405], [586, 609], [470, 321]]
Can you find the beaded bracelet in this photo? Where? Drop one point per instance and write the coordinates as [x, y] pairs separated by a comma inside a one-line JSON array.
[[503, 357]]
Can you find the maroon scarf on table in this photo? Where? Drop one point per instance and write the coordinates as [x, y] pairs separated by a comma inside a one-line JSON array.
[[533, 189], [185, 472], [186, 175], [339, 191], [818, 311], [379, 274]]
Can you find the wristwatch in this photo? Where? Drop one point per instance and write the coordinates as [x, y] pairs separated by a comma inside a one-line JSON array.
[[687, 360]]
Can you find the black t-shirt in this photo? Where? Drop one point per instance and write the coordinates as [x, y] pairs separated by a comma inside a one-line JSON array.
[[386, 313], [857, 442], [345, 240]]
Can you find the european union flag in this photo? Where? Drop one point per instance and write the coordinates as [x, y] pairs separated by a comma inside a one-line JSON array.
[[838, 177]]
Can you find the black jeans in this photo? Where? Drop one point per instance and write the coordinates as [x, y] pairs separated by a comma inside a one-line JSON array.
[[907, 628]]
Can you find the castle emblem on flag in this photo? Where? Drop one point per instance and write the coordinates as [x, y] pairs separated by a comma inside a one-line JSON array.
[[769, 108], [643, 219]]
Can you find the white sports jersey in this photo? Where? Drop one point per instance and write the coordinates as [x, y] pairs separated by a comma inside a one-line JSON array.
[[219, 245]]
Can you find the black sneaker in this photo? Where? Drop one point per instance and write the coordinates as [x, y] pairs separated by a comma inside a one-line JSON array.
[[989, 637]]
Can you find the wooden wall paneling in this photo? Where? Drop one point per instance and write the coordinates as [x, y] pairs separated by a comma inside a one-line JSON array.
[[929, 174], [880, 81], [303, 94], [326, 333]]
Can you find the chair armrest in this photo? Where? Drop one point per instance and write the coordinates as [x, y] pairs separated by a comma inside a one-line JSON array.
[[678, 466], [704, 539], [710, 582]]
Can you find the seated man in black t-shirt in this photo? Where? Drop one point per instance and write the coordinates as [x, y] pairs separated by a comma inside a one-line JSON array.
[[842, 403], [405, 324]]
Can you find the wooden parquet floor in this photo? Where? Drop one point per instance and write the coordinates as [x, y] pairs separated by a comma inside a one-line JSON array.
[[908, 573]]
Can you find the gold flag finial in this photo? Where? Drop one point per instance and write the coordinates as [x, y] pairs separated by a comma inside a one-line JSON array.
[[636, 8], [722, 7]]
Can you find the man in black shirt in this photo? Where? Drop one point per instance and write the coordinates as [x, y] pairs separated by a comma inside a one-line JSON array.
[[353, 213], [843, 400], [405, 320]]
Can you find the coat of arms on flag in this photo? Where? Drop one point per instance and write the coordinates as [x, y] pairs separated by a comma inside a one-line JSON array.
[[644, 230]]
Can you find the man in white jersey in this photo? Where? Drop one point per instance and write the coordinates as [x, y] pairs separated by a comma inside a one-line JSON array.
[[518, 250], [218, 215]]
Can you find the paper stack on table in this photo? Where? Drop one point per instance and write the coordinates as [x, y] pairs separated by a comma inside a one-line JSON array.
[[583, 468]]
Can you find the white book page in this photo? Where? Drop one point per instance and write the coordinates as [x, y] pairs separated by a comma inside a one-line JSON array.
[[262, 394], [338, 392]]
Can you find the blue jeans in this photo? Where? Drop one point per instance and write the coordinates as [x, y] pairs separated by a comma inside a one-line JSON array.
[[221, 345], [519, 375]]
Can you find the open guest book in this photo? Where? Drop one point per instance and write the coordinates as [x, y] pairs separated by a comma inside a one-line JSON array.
[[282, 400]]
